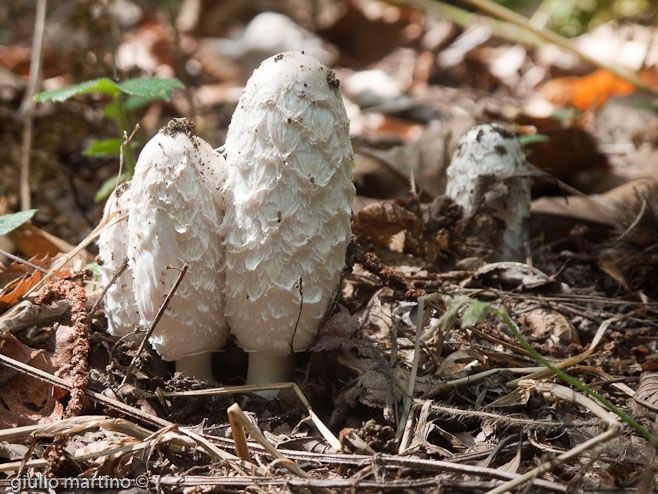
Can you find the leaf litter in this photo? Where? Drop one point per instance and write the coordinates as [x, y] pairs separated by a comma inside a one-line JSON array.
[[482, 410]]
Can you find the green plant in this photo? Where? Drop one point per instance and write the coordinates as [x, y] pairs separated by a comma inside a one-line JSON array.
[[9, 222], [477, 312], [126, 97]]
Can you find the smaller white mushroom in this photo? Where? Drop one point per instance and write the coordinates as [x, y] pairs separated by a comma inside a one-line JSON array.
[[120, 307], [493, 151], [174, 215]]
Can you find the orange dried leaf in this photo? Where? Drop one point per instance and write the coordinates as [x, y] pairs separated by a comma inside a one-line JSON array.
[[12, 292], [587, 92]]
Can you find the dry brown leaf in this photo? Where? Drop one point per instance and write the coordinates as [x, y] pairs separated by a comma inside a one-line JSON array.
[[28, 401], [546, 323], [12, 292], [614, 271], [647, 391], [461, 363]]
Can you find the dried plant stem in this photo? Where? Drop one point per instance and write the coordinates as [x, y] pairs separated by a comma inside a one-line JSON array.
[[238, 418], [75, 295], [156, 319], [27, 104], [574, 382], [23, 261], [115, 275], [552, 464], [324, 430]]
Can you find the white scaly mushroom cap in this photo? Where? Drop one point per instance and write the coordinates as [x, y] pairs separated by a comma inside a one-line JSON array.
[[120, 308], [487, 150], [175, 217], [288, 191]]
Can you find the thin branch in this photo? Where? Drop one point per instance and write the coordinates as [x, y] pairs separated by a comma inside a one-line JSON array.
[[115, 275], [27, 104], [23, 261], [156, 320]]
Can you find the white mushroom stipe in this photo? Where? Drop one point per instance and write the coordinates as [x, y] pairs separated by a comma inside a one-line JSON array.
[[120, 307], [198, 366], [493, 150], [288, 191]]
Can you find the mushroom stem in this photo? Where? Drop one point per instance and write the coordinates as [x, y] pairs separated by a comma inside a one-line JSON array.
[[198, 366], [265, 368]]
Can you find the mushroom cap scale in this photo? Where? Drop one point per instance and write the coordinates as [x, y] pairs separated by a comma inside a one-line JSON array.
[[287, 192], [120, 307], [175, 217]]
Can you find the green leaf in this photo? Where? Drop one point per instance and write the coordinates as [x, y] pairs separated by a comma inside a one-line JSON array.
[[145, 87], [94, 267], [9, 222], [477, 312], [524, 140], [106, 147], [102, 85], [448, 319], [108, 186], [151, 87]]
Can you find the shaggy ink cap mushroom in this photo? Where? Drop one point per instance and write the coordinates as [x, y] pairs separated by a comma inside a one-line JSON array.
[[493, 150], [174, 216], [287, 192]]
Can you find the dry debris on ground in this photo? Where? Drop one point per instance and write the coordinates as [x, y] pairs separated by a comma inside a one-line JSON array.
[[408, 388]]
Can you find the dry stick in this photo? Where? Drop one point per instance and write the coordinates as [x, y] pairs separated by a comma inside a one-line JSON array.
[[552, 464], [115, 275], [23, 261], [122, 407], [104, 400], [156, 320], [27, 104], [239, 437], [324, 430], [242, 423]]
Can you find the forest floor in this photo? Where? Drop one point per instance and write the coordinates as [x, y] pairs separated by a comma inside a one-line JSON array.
[[418, 382]]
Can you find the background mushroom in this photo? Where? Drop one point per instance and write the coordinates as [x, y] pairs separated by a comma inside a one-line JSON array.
[[287, 192], [174, 216], [486, 169]]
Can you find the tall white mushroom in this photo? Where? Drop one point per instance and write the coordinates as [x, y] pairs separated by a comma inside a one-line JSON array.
[[493, 151], [174, 216], [287, 192]]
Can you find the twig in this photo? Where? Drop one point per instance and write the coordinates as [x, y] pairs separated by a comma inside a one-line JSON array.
[[102, 399], [115, 275], [27, 104], [122, 407], [408, 399], [324, 430], [237, 417], [23, 261], [155, 321], [552, 464]]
